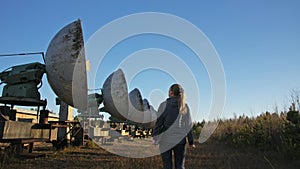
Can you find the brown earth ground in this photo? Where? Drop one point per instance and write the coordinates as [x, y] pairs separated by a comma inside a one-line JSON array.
[[207, 156]]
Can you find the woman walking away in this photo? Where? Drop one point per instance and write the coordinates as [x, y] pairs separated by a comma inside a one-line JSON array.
[[173, 126]]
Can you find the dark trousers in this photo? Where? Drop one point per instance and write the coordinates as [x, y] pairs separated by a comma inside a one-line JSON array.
[[179, 156]]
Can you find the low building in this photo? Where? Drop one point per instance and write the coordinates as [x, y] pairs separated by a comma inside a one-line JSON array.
[[27, 115]]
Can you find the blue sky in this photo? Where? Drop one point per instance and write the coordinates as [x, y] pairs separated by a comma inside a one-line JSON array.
[[258, 43]]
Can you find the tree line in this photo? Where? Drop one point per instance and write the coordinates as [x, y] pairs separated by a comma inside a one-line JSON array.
[[269, 131]]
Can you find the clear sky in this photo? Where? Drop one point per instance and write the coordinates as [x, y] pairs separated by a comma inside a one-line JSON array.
[[257, 41]]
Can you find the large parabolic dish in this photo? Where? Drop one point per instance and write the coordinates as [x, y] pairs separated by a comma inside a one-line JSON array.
[[66, 66]]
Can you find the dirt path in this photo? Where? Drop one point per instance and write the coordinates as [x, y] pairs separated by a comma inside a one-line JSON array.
[[206, 156]]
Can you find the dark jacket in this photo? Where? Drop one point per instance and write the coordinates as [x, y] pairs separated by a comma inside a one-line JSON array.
[[172, 127]]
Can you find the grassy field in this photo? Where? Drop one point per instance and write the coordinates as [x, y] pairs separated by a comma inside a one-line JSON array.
[[209, 155]]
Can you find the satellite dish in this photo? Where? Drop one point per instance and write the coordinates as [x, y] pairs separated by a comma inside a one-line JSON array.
[[150, 115], [66, 66], [136, 106], [115, 95]]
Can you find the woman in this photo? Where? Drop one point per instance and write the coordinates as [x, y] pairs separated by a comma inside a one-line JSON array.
[[173, 125]]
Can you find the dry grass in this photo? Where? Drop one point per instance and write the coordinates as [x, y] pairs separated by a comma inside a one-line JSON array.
[[208, 155]]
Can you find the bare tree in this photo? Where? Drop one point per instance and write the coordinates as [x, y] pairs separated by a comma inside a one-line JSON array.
[[295, 99], [276, 108]]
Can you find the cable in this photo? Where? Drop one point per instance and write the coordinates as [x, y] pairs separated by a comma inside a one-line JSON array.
[[22, 54], [94, 89]]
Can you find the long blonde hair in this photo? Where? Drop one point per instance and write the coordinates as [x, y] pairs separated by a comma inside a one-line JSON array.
[[181, 97]]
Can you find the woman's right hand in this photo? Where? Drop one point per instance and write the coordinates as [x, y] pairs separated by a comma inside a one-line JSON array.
[[192, 146]]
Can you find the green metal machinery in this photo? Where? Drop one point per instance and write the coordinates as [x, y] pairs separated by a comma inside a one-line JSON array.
[[21, 85]]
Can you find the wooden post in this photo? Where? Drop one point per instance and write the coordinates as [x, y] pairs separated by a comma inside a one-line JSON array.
[[30, 147]]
